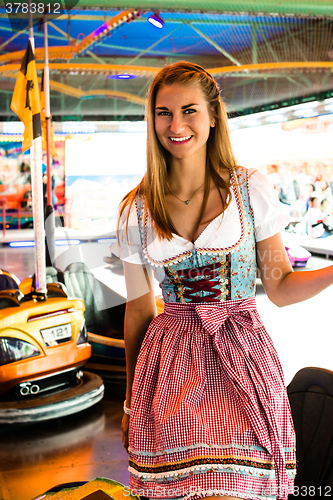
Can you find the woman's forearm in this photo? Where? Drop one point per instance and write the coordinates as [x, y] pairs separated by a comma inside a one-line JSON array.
[[281, 284], [298, 286], [135, 328]]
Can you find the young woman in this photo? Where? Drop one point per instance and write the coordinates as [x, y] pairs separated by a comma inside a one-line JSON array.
[[316, 220], [206, 410]]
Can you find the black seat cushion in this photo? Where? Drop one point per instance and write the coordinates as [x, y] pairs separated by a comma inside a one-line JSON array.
[[10, 298], [311, 400], [7, 282]]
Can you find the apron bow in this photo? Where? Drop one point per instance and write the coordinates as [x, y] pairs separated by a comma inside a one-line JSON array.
[[213, 318], [245, 359]]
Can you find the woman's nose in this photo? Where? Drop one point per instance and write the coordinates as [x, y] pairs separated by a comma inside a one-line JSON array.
[[176, 125]]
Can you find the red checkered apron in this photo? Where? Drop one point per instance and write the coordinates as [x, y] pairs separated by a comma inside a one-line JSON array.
[[209, 409]]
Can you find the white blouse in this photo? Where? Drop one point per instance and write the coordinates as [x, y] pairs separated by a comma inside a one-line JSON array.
[[269, 219]]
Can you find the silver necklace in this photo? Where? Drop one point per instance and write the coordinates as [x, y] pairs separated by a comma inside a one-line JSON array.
[[186, 201]]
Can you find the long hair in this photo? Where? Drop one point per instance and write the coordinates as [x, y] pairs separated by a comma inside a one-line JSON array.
[[219, 151]]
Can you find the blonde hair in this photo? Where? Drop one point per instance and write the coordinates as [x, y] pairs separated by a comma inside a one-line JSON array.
[[219, 151]]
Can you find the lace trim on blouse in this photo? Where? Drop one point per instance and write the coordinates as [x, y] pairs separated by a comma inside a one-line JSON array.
[[201, 251]]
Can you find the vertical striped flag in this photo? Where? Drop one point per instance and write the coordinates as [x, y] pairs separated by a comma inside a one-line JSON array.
[[25, 101], [43, 119]]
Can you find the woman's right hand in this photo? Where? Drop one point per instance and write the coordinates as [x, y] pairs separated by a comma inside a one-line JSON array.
[[124, 428]]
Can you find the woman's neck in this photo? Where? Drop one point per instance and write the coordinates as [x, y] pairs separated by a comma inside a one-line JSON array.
[[185, 176]]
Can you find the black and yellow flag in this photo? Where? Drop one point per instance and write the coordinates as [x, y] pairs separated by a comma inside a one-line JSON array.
[[25, 100], [43, 118]]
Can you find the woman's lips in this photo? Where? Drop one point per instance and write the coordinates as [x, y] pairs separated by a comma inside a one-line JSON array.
[[180, 140]]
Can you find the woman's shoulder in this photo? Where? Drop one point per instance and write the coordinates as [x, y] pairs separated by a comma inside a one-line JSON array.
[[128, 214], [254, 176], [260, 187], [245, 178], [243, 172]]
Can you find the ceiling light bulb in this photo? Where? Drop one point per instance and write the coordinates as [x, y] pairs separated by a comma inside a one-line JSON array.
[[156, 20]]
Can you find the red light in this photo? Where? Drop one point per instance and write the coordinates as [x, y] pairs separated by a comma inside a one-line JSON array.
[[50, 314]]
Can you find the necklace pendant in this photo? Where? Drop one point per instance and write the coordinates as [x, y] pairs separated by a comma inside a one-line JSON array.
[[187, 202]]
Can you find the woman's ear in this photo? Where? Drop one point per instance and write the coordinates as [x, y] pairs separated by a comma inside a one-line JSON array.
[[213, 114]]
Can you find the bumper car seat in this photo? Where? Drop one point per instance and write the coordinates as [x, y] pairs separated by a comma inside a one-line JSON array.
[[311, 399], [8, 281], [105, 309]]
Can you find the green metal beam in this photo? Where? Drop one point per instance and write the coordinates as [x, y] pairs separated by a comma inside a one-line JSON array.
[[96, 58], [94, 80], [274, 55], [145, 51], [171, 20], [77, 109], [307, 82], [156, 53], [62, 32], [216, 46], [299, 44], [254, 43], [36, 34], [321, 8], [273, 92], [250, 81], [69, 38], [260, 76], [115, 107], [129, 108], [13, 37], [326, 79], [296, 7], [253, 88], [290, 34], [268, 44], [110, 46], [62, 100]]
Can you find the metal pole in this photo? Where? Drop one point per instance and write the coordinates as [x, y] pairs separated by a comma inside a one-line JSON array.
[[47, 113], [37, 195], [49, 213], [31, 27]]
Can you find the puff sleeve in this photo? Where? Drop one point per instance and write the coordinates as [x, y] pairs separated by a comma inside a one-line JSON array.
[[128, 246], [269, 216]]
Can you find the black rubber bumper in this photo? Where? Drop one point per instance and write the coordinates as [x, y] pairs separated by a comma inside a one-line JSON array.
[[73, 400]]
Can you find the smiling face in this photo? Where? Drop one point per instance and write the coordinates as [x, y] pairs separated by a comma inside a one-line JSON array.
[[182, 120]]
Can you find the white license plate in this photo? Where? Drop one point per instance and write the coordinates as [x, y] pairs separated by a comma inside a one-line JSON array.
[[57, 334]]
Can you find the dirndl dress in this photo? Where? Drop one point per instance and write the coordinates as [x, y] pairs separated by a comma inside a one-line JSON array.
[[209, 409]]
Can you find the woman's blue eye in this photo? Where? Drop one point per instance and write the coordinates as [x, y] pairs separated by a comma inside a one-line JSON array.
[[167, 113]]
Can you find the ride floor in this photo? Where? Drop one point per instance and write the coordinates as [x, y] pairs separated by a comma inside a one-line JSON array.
[[81, 447]]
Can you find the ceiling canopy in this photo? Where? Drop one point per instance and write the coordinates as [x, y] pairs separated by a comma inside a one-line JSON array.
[[104, 53]]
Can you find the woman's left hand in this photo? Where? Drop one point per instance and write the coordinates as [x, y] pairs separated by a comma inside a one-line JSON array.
[[124, 428]]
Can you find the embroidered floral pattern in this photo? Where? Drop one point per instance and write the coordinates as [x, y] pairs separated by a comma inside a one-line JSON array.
[[199, 461], [198, 465], [177, 281]]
